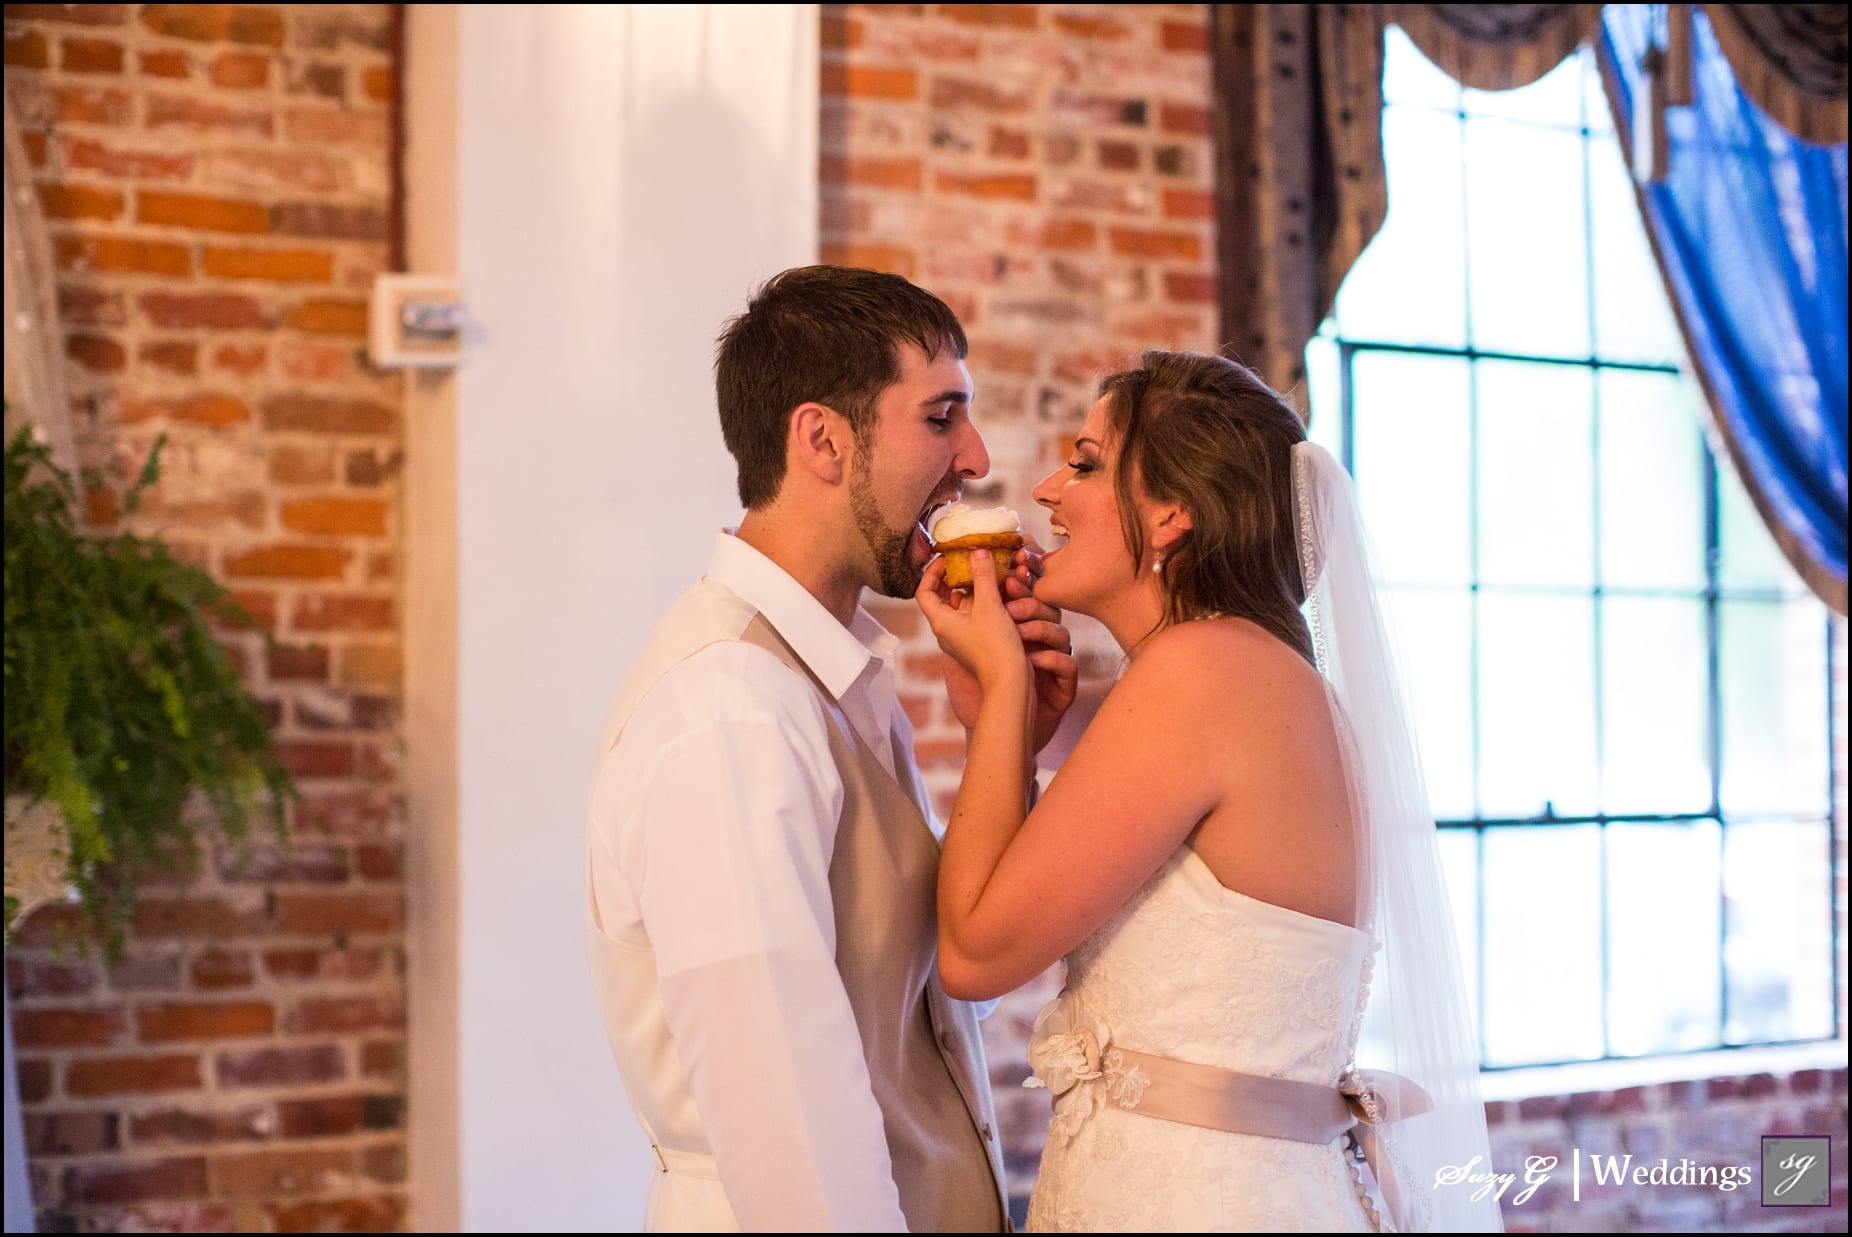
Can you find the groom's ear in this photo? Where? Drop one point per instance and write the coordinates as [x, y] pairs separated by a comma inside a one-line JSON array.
[[1170, 523], [821, 442]]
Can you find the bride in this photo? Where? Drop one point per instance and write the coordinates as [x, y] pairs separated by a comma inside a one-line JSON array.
[[1262, 1026]]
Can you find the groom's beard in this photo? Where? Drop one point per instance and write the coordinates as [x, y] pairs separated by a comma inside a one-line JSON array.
[[899, 578]]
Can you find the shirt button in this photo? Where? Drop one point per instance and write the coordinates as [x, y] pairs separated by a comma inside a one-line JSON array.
[[950, 1040], [987, 1133]]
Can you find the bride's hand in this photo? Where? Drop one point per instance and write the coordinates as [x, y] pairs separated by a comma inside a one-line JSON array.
[[975, 630]]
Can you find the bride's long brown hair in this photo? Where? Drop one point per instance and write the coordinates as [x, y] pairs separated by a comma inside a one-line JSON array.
[[1206, 433]]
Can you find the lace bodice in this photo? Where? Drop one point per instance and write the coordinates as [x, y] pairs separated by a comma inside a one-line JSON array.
[[1192, 970]]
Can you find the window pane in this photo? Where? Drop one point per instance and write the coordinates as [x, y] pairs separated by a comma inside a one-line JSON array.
[[1459, 859], [1553, 99], [1544, 537], [1543, 906], [1324, 387], [1633, 318], [1773, 670], [1747, 557], [1527, 242], [1410, 440], [1536, 706], [1655, 706], [1409, 285], [1411, 78], [1536, 474], [1665, 983], [1596, 113], [1778, 925], [1433, 637], [1652, 482]]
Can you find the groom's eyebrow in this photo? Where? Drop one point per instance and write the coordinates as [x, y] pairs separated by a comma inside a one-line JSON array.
[[951, 395]]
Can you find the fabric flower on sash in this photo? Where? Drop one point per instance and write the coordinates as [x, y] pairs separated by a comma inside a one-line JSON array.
[[1067, 1048]]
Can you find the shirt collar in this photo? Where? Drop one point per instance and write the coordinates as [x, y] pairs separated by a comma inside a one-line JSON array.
[[837, 655]]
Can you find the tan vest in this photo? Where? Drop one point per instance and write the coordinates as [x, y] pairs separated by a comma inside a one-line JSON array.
[[924, 1050]]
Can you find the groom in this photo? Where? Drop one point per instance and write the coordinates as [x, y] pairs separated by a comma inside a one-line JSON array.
[[761, 854]]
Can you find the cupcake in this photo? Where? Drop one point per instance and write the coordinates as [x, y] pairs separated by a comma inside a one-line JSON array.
[[958, 529]]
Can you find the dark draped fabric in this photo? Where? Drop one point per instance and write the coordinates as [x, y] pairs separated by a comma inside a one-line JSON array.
[[1297, 118], [1300, 191], [1297, 115], [1749, 223], [1496, 46], [1790, 59]]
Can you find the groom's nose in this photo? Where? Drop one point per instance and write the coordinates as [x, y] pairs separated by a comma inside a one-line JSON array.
[[971, 460]]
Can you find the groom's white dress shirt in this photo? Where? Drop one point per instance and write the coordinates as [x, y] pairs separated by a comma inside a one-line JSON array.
[[714, 822]]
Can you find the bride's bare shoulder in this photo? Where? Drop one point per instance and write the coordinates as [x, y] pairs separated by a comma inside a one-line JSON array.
[[1207, 676], [1221, 652]]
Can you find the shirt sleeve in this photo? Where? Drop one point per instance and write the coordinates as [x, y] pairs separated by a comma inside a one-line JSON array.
[[738, 826]]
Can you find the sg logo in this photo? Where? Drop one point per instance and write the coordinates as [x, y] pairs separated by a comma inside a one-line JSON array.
[[1796, 1171]]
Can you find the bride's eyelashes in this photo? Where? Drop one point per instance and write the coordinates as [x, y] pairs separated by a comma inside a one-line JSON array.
[[1081, 467]]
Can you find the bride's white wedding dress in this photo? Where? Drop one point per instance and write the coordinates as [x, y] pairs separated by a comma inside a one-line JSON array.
[[1189, 971], [1192, 970]]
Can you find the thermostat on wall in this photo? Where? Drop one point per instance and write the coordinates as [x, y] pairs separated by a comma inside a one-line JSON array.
[[415, 321]]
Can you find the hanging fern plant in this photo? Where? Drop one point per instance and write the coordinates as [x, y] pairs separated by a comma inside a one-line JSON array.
[[120, 701]]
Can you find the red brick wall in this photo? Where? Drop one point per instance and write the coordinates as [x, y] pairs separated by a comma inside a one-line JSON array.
[[216, 181], [1046, 169]]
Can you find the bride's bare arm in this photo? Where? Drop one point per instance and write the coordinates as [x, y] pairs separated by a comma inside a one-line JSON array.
[[1015, 894]]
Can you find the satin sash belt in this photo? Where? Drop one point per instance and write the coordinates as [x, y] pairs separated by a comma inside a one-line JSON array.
[[1219, 1099], [1304, 1112]]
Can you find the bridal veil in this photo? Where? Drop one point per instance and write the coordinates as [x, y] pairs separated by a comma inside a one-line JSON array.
[[1416, 1024]]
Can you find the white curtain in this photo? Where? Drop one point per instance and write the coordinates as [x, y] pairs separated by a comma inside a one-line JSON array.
[[34, 355]]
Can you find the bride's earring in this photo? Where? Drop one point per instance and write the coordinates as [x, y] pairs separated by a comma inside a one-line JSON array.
[[1157, 564]]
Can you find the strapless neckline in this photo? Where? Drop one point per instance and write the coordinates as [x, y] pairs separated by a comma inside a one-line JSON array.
[[1213, 884]]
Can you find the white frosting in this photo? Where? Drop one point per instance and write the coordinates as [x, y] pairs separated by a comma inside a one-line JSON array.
[[955, 520]]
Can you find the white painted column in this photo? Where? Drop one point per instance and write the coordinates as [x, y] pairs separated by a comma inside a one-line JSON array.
[[608, 182]]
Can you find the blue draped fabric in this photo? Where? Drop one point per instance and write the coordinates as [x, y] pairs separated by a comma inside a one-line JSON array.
[[1750, 226]]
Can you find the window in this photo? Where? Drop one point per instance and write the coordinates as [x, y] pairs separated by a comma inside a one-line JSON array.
[[1621, 689]]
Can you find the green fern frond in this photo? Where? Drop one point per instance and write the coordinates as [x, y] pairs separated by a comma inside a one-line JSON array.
[[120, 700]]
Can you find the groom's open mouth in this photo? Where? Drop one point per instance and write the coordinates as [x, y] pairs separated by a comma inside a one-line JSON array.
[[919, 545]]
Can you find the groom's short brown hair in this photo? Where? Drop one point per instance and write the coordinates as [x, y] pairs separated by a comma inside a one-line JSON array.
[[828, 334]]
